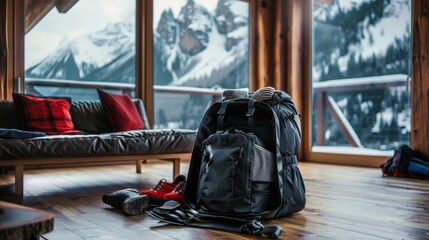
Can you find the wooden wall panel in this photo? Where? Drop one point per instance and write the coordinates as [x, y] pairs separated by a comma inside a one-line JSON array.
[[265, 12], [279, 47], [3, 49], [420, 77], [6, 48], [294, 63]]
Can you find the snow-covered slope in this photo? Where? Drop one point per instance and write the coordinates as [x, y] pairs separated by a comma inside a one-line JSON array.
[[86, 54]]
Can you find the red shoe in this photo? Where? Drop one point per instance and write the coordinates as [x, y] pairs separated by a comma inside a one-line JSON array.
[[156, 194], [178, 194]]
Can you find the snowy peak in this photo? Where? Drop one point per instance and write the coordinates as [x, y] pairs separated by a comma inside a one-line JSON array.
[[195, 24], [86, 53], [232, 20], [167, 27]]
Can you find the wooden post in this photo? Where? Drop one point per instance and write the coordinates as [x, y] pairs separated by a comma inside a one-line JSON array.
[[176, 167], [19, 179], [420, 77], [139, 166]]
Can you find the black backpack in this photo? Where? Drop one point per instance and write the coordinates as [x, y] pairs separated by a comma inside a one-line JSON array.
[[244, 160]]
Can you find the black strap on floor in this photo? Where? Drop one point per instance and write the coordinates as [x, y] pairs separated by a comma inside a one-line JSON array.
[[190, 218]]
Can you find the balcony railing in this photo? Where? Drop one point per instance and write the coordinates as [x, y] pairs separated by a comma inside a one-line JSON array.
[[31, 83], [323, 98]]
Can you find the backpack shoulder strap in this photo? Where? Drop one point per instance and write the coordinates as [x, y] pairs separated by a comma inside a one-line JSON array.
[[193, 218]]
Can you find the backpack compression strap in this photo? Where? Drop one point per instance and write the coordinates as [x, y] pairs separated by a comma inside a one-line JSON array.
[[171, 213]]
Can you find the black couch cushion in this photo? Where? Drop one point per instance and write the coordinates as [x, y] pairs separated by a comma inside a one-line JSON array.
[[120, 143]]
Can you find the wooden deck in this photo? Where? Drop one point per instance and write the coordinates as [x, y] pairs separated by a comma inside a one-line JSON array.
[[342, 203]]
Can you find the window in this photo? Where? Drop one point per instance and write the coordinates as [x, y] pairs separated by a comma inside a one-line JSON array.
[[199, 48], [360, 76], [73, 47]]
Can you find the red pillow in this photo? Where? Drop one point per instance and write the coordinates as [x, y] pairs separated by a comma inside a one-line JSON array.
[[48, 115], [121, 110]]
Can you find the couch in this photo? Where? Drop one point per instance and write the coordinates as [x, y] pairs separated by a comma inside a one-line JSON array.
[[98, 144]]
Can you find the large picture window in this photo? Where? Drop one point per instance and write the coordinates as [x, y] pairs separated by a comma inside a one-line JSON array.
[[199, 48], [73, 48], [360, 76]]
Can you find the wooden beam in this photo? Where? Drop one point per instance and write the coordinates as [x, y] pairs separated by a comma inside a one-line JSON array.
[[3, 49], [294, 62], [144, 81], [35, 11], [19, 179], [139, 166], [279, 45], [265, 10], [97, 159], [18, 75], [420, 77], [176, 167], [64, 6], [20, 163]]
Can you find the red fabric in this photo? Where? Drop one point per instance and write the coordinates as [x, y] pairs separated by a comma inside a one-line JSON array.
[[48, 115], [121, 110]]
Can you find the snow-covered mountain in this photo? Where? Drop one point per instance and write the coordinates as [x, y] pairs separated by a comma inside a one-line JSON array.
[[84, 57], [198, 48], [195, 48]]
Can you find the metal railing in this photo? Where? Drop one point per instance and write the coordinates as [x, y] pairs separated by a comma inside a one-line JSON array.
[[31, 83], [321, 95], [322, 98]]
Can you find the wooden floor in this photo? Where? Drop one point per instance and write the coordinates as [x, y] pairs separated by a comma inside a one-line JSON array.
[[342, 203]]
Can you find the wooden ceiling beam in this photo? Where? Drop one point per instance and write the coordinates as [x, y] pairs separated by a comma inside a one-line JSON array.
[[64, 6], [36, 10]]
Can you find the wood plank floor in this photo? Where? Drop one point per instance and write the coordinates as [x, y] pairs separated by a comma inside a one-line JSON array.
[[342, 203]]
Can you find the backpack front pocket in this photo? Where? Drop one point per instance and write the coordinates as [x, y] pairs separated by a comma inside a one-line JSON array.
[[221, 186]]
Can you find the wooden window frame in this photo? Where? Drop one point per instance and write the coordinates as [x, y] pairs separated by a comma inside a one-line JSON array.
[[144, 49], [144, 80], [419, 122]]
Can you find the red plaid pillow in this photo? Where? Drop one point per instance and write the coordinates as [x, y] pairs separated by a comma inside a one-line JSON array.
[[121, 110], [48, 115]]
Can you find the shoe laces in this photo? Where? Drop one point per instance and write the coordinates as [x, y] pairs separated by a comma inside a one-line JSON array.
[[180, 187], [159, 185]]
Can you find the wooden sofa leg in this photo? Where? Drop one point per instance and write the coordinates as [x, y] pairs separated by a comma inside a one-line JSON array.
[[19, 179], [176, 167], [139, 166]]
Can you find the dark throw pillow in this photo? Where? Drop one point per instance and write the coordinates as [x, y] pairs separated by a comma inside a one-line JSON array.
[[121, 110], [45, 114]]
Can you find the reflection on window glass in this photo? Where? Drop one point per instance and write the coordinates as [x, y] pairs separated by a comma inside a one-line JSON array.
[[361, 69], [199, 44], [91, 42]]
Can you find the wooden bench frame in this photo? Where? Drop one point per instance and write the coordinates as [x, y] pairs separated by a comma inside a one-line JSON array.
[[20, 163]]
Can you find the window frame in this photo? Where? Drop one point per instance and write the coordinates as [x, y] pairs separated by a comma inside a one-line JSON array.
[[144, 51], [146, 86], [309, 154]]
